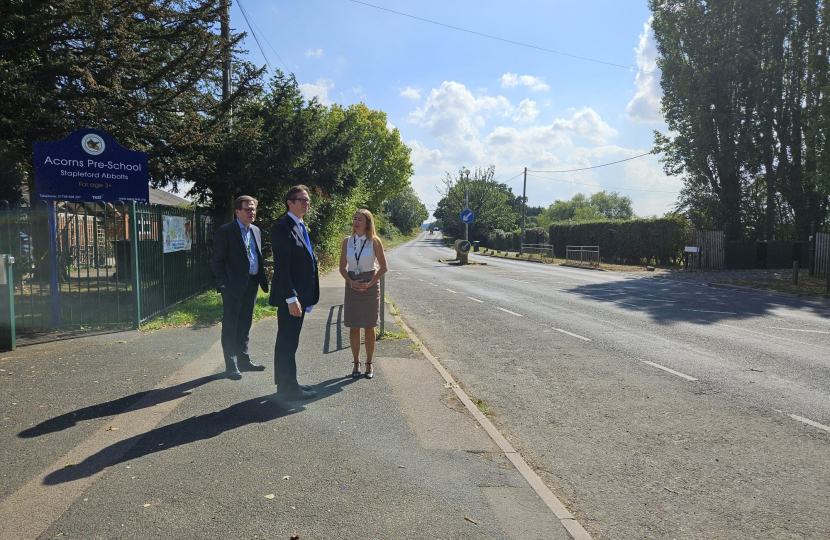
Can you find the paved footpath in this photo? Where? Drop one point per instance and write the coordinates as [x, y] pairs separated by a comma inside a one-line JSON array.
[[137, 435]]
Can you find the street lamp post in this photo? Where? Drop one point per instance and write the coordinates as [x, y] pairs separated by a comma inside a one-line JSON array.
[[467, 207]]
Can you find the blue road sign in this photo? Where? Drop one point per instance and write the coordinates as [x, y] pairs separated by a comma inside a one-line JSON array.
[[89, 165], [467, 216]]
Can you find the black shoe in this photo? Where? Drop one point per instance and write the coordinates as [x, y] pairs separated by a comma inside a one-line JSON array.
[[298, 393], [250, 366], [369, 374], [356, 371], [233, 374], [306, 387]]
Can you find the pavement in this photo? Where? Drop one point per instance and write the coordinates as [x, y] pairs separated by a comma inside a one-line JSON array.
[[137, 435]]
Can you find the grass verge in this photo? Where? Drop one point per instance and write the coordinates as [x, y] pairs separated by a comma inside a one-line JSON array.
[[205, 309]]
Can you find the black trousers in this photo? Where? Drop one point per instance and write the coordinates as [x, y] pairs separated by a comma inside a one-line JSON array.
[[237, 317], [285, 350]]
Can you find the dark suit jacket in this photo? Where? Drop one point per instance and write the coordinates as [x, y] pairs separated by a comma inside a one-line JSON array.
[[295, 272], [229, 259]]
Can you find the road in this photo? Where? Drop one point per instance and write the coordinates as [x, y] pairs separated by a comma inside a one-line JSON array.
[[653, 408]]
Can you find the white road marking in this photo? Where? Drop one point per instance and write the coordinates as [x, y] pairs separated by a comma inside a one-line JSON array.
[[433, 284], [510, 312], [571, 334], [798, 330], [609, 300], [673, 372], [810, 422], [476, 300], [654, 300], [808, 344], [705, 311], [452, 291]]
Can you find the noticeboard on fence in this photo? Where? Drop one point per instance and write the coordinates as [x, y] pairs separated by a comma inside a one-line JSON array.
[[89, 165], [176, 233]]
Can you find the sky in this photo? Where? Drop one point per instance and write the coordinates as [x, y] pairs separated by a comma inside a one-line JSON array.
[[558, 85]]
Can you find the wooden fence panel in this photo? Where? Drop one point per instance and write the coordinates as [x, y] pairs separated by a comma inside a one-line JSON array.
[[822, 254], [711, 250]]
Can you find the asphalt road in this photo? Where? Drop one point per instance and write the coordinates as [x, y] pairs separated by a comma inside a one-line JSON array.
[[653, 408]]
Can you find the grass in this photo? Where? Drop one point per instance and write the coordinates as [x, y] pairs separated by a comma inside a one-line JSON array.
[[806, 286], [394, 336], [389, 243], [205, 309], [482, 406]]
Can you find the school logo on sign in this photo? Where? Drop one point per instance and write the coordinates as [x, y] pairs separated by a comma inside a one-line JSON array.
[[93, 144]]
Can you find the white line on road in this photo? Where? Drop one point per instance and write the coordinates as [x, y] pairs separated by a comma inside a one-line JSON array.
[[798, 330], [705, 311], [779, 338], [571, 334], [654, 300], [476, 300], [810, 422], [452, 291], [673, 372], [433, 284], [510, 312]]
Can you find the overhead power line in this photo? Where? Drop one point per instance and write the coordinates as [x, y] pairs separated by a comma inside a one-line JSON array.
[[603, 187], [502, 39], [253, 33], [595, 166]]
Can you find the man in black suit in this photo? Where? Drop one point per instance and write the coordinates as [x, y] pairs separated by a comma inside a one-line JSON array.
[[237, 263], [295, 288]]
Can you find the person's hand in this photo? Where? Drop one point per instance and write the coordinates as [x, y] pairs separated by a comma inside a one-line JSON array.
[[295, 309]]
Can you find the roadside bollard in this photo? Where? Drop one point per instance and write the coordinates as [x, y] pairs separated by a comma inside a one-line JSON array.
[[462, 248], [795, 272]]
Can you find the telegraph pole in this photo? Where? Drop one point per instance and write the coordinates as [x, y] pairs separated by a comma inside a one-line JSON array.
[[524, 207], [225, 22]]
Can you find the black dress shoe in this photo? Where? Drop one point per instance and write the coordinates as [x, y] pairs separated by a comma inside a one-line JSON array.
[[233, 374], [298, 393], [250, 366]]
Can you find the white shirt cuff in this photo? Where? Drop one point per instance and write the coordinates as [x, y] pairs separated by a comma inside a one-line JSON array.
[[291, 300]]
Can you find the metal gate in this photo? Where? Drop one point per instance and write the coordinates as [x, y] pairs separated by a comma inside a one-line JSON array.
[[105, 267]]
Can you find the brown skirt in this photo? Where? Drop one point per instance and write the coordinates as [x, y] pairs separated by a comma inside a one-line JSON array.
[[361, 309]]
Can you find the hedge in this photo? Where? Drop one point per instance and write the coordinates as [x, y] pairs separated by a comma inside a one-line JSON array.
[[641, 241]]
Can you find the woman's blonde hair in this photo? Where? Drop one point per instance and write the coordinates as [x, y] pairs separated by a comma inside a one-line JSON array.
[[370, 223]]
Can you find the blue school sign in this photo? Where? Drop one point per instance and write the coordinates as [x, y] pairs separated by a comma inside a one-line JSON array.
[[89, 165]]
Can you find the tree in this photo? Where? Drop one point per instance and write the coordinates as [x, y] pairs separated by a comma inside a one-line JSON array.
[[405, 210], [600, 205], [490, 201], [745, 94], [379, 159], [148, 72]]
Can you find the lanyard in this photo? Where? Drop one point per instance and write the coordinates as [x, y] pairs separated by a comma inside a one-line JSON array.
[[356, 253]]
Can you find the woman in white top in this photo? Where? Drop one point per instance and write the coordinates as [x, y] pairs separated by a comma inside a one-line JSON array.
[[362, 263]]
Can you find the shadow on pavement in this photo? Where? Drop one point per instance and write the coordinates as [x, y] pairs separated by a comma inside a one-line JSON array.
[[207, 426], [335, 320], [116, 406]]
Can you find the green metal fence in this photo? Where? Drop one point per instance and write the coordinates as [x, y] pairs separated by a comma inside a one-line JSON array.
[[106, 266]]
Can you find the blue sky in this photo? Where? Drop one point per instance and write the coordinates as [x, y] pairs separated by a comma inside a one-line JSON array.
[[464, 100]]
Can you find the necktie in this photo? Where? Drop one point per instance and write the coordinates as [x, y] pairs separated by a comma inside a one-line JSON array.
[[307, 240], [250, 249]]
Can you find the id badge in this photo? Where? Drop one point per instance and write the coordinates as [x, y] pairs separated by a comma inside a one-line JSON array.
[[358, 271]]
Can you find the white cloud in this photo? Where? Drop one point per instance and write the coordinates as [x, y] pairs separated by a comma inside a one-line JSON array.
[[644, 108], [410, 93], [454, 116], [511, 80], [314, 54], [588, 124], [526, 112], [320, 90]]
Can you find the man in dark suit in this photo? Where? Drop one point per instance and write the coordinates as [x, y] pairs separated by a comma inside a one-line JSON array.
[[295, 288], [237, 263]]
